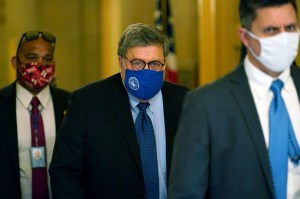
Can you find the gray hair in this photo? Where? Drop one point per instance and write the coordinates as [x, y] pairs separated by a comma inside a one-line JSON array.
[[142, 35]]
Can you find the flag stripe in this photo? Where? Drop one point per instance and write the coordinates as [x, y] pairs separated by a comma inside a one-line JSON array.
[[171, 70]]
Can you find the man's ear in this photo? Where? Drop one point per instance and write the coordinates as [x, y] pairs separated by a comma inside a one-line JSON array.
[[121, 61], [54, 66], [13, 61], [243, 36]]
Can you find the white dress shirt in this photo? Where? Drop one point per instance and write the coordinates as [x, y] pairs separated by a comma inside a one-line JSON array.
[[23, 107], [260, 84], [156, 114]]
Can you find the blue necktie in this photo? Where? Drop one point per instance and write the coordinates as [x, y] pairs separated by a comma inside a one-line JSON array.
[[283, 142], [146, 140]]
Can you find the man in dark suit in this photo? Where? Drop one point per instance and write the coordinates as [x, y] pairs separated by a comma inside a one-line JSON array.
[[222, 148], [98, 151], [34, 64]]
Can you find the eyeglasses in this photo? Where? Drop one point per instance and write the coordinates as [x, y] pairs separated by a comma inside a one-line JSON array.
[[138, 64], [33, 35]]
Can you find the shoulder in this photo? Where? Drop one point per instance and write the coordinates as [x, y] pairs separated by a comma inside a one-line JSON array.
[[59, 93], [295, 71], [8, 91], [104, 84], [173, 94], [103, 90], [221, 87], [174, 89]]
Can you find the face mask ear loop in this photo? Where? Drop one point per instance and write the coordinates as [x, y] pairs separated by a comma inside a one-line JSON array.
[[123, 65], [254, 37], [122, 62]]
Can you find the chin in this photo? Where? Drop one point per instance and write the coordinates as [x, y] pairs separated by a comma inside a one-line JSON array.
[[32, 89]]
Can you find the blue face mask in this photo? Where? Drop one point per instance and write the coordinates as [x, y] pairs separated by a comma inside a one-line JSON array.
[[143, 84]]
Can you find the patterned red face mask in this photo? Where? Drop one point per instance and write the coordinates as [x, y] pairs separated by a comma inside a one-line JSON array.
[[37, 75]]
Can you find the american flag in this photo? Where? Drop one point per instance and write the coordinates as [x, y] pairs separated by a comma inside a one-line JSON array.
[[159, 14]]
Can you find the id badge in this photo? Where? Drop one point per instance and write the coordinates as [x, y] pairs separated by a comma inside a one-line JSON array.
[[38, 157]]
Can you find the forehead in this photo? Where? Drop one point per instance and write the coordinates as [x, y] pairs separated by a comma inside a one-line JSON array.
[[37, 46], [146, 52], [276, 16]]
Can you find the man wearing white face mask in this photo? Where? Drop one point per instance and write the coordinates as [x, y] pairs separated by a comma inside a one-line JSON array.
[[239, 136], [276, 52]]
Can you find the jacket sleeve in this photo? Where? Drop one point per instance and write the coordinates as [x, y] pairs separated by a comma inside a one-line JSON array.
[[66, 168]]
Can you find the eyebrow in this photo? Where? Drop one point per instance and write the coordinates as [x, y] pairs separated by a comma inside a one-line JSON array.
[[278, 27], [291, 24], [37, 55]]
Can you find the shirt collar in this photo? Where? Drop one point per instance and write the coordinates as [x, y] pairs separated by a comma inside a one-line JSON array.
[[261, 82], [135, 101], [25, 96]]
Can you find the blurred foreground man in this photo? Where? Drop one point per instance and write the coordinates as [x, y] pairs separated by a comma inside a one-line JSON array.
[[239, 136]]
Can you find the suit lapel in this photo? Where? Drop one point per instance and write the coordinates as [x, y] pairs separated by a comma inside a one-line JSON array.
[[10, 124], [242, 94], [121, 107], [295, 73]]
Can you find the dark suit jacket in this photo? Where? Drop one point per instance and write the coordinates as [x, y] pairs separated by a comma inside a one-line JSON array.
[[9, 155], [220, 151], [96, 154]]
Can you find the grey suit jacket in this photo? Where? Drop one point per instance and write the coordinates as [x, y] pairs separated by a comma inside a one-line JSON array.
[[220, 150], [9, 155]]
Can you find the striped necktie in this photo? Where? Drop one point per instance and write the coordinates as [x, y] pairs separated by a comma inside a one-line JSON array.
[[39, 175]]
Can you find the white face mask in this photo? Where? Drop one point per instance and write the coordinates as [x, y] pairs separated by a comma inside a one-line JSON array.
[[277, 52]]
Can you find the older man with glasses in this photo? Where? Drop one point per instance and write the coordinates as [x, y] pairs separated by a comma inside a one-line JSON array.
[[31, 111], [116, 140]]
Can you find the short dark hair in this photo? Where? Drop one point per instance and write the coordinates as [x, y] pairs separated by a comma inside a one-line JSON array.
[[140, 34], [248, 8]]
